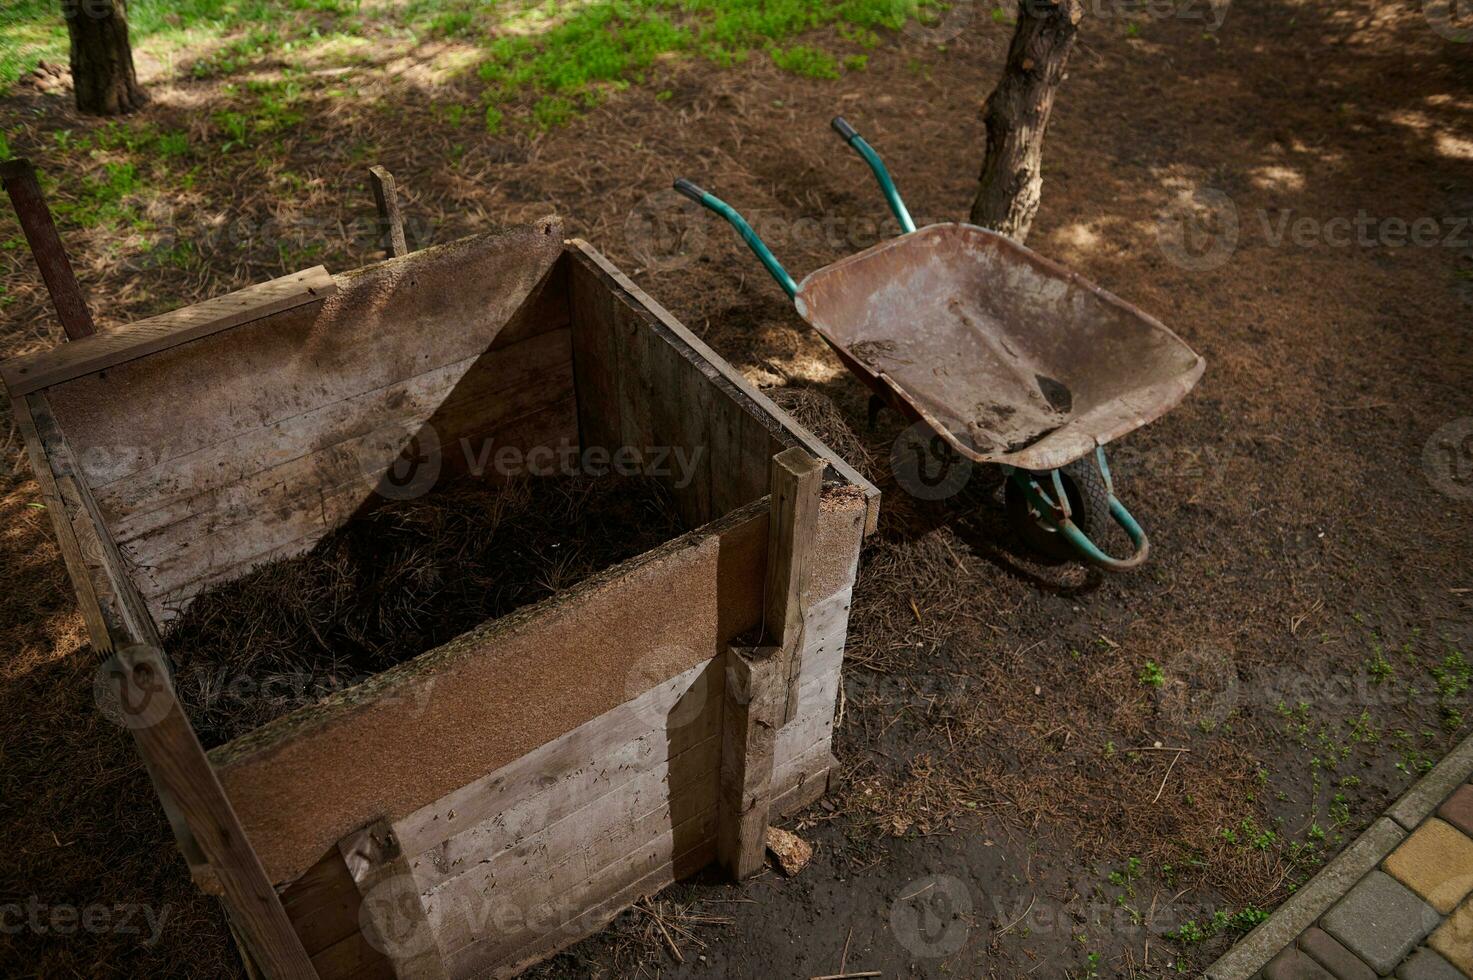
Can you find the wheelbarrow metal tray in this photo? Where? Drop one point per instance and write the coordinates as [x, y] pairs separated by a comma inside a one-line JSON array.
[[533, 776], [1010, 356]]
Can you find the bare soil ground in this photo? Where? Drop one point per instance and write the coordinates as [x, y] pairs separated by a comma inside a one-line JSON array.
[[1044, 772]]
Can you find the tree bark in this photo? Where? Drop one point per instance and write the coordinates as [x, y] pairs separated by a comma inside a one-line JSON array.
[[102, 59], [1017, 112]]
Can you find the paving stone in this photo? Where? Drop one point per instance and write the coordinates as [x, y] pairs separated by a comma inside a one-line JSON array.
[[1458, 809], [1327, 951], [1416, 803], [1300, 910], [1426, 964], [1436, 862], [1380, 921], [1295, 964], [1454, 938]]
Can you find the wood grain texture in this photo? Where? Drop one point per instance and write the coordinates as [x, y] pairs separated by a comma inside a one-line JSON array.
[[386, 323], [390, 220], [781, 427], [797, 479], [180, 767], [392, 915], [752, 709], [101, 351], [474, 705]]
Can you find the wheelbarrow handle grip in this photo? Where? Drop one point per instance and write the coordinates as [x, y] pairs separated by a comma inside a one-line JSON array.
[[877, 167], [690, 190], [842, 127]]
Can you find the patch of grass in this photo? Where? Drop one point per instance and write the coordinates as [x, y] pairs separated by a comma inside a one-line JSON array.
[[800, 59], [1453, 678], [1221, 923], [553, 110], [1152, 675], [1378, 666]]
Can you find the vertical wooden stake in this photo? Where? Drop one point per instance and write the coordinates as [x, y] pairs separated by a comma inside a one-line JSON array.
[[19, 178], [751, 714], [393, 914], [178, 764], [390, 221], [797, 479]]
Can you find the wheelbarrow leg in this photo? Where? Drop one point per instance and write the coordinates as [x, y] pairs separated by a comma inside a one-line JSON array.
[[875, 404]]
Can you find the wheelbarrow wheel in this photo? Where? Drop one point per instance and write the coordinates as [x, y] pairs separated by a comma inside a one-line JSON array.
[[1089, 508]]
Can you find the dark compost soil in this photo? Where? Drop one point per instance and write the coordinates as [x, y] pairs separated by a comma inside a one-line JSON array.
[[1042, 771], [407, 577]]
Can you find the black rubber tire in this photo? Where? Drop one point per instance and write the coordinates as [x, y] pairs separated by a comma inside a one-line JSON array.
[[1089, 508]]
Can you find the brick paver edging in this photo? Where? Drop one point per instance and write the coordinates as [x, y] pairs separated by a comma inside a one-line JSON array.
[[1300, 911]]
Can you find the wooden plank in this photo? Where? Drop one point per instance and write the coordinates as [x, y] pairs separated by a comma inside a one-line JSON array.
[[797, 479], [285, 481], [19, 179], [598, 914], [386, 323], [473, 907], [352, 958], [120, 601], [498, 692], [462, 391], [682, 850], [390, 221], [96, 353], [394, 919], [783, 426], [323, 904], [595, 358], [66, 536], [562, 783], [752, 713], [176, 759]]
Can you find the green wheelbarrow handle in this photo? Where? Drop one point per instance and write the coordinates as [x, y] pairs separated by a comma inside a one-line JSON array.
[[759, 248], [1056, 516], [877, 167]]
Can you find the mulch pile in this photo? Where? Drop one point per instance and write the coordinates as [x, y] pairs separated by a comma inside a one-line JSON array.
[[396, 582]]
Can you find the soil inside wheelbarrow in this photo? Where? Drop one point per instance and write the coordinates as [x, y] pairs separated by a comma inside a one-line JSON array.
[[1297, 644], [405, 578]]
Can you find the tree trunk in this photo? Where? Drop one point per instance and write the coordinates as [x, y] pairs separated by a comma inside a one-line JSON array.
[[102, 58], [1016, 116]]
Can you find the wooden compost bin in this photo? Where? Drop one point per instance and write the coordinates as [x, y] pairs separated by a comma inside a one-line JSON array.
[[478, 807]]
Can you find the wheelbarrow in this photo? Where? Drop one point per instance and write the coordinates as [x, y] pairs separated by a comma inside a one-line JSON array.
[[1007, 356]]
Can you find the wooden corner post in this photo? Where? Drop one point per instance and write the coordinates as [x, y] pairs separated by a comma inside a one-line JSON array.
[[390, 221], [149, 709], [393, 915], [797, 479], [19, 178], [751, 714], [761, 681]]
